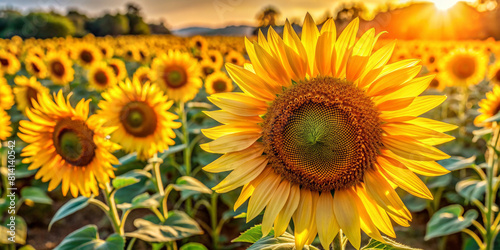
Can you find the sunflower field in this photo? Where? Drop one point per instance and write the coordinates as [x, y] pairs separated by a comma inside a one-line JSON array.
[[327, 138]]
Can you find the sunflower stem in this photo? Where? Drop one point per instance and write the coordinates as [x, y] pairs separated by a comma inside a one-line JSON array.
[[113, 212], [156, 162], [490, 195], [462, 115], [337, 242], [213, 219], [187, 150]]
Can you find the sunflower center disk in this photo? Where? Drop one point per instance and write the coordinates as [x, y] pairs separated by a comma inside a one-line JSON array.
[[219, 86], [138, 119], [464, 67], [497, 75], [4, 62], [58, 69], [175, 77], [101, 78], [74, 142], [322, 134], [87, 56]]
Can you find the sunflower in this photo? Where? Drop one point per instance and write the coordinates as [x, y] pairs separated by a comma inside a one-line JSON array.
[[215, 57], [488, 107], [143, 75], [101, 76], [218, 82], [323, 132], [494, 73], [60, 68], [464, 67], [66, 145], [5, 128], [177, 74], [437, 83], [87, 54], [27, 91], [106, 50], [207, 67], [140, 112], [9, 63], [235, 57], [118, 68], [199, 43], [6, 97], [36, 67]]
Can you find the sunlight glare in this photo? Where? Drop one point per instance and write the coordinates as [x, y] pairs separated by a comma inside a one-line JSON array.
[[445, 4]]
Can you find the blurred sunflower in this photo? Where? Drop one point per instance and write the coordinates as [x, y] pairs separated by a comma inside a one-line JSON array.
[[9, 63], [437, 83], [464, 67], [36, 67], [177, 73], [101, 76], [323, 132], [26, 91], [218, 82], [235, 57], [488, 107], [199, 43], [494, 73], [87, 54], [118, 68], [143, 74], [6, 97], [67, 146], [5, 128], [207, 67], [60, 68], [216, 58], [140, 112], [106, 50]]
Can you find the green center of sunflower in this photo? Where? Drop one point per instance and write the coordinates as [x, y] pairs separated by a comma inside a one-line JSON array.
[[219, 86], [74, 142], [57, 68], [175, 77], [464, 66], [138, 119], [101, 78], [322, 134]]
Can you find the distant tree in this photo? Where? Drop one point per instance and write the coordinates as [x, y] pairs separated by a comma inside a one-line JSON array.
[[135, 20], [268, 16], [79, 20], [108, 24], [7, 16], [349, 11], [39, 25]]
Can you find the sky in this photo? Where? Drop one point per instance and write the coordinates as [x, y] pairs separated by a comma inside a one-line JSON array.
[[179, 14]]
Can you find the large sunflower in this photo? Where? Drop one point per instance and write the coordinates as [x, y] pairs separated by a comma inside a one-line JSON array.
[[67, 146], [140, 112], [60, 68], [177, 73], [26, 91], [464, 67], [101, 76], [218, 82], [323, 132], [6, 97], [5, 128], [488, 107]]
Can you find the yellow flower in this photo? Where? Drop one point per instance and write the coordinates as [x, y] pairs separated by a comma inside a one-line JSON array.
[[9, 63], [6, 97], [27, 91], [177, 74], [199, 43], [87, 54], [215, 57], [323, 132], [36, 67], [218, 82], [67, 146], [118, 67], [488, 107], [235, 57], [140, 112], [143, 75], [494, 72], [5, 128], [60, 68], [464, 67], [207, 67], [101, 76]]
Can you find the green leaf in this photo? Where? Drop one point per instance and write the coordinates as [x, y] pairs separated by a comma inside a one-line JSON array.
[[439, 181], [87, 238], [251, 235], [193, 246], [190, 186], [471, 189], [123, 181], [388, 245], [456, 162], [177, 226], [36, 195], [69, 208], [413, 203], [20, 231], [128, 158], [27, 247], [283, 242], [172, 150], [141, 201], [449, 220]]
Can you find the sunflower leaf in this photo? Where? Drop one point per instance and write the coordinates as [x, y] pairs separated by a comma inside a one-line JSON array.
[[193, 246], [251, 235], [88, 238], [123, 181], [471, 189], [69, 208], [388, 245], [36, 195], [283, 242], [457, 162], [189, 186], [449, 220]]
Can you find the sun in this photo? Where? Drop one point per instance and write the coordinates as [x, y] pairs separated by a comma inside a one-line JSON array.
[[445, 4]]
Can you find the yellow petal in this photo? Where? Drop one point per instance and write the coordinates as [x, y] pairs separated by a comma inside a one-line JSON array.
[[261, 196], [249, 188], [233, 160], [411, 149], [231, 143], [360, 55], [366, 222], [343, 47], [420, 105], [375, 64], [393, 80], [377, 214], [240, 176], [251, 83], [278, 200], [239, 104], [309, 38], [432, 124], [303, 217], [225, 117], [284, 216], [328, 226], [347, 215]]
